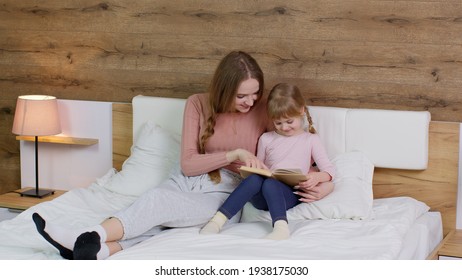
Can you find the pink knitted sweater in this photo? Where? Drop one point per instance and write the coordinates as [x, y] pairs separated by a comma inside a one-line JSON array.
[[232, 131]]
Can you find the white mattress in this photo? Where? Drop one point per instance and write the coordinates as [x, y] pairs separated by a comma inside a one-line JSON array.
[[424, 235], [401, 229], [311, 239]]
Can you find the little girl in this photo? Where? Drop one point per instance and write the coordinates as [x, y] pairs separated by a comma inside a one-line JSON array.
[[289, 147]]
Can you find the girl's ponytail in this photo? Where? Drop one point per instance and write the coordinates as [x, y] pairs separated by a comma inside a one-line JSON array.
[[311, 128]]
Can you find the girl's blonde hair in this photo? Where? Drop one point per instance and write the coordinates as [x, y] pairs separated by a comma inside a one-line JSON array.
[[232, 70], [286, 101]]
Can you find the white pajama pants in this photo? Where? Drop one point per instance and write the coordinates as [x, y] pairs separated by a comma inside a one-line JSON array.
[[180, 201]]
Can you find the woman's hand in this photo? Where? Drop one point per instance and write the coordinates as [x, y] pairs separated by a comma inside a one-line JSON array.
[[246, 157], [317, 192]]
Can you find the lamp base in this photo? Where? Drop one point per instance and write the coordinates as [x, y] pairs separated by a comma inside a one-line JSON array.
[[41, 193]]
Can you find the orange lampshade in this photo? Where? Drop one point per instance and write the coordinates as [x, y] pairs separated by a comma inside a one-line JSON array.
[[36, 115]]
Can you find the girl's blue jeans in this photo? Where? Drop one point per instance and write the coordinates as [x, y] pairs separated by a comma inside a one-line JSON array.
[[265, 194]]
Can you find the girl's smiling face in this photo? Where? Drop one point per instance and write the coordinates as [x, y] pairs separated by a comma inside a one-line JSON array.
[[289, 126]]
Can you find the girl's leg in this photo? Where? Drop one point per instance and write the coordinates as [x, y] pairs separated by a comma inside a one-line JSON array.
[[278, 198], [236, 200], [215, 224], [243, 193]]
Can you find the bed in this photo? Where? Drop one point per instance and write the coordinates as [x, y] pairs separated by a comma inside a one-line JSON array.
[[395, 197]]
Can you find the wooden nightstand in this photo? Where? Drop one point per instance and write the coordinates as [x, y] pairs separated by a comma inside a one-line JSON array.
[[450, 247], [14, 201]]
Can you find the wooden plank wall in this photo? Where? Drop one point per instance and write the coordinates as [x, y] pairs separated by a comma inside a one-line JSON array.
[[349, 53]]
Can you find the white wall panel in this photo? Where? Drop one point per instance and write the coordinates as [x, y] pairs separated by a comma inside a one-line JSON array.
[[63, 166]]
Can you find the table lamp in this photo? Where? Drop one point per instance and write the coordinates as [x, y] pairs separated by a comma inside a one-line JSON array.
[[36, 115]]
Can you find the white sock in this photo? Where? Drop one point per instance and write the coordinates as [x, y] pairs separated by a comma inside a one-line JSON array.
[[67, 237], [103, 252], [280, 231], [215, 224]]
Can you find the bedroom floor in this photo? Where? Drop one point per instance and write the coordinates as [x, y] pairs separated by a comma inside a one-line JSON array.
[[5, 214]]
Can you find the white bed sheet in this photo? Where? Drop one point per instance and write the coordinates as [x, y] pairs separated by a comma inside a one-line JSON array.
[[379, 238], [387, 236], [424, 235]]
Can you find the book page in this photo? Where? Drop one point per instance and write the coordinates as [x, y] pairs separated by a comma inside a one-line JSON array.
[[247, 171], [287, 171], [290, 177]]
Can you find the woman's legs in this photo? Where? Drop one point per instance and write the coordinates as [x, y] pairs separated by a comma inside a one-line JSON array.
[[169, 208], [63, 238], [179, 202], [160, 206], [113, 247], [90, 245], [113, 228], [115, 232]]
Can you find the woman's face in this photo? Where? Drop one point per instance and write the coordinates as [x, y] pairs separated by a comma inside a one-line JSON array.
[[247, 94]]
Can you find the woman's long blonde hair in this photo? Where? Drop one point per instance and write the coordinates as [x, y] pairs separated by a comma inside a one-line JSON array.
[[233, 69], [286, 101]]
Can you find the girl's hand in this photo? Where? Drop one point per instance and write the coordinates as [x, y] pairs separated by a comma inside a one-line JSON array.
[[314, 178], [315, 193], [246, 157]]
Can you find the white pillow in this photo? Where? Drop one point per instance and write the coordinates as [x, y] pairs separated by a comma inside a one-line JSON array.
[[153, 156], [351, 199]]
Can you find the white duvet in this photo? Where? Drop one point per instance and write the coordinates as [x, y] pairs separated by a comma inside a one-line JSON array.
[[378, 238]]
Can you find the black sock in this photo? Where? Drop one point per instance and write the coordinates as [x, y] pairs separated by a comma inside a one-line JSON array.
[[87, 246], [40, 225]]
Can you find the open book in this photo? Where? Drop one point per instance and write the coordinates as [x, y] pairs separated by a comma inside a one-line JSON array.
[[290, 177]]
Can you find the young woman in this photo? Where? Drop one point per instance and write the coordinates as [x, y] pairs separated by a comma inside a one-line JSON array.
[[289, 146], [220, 134]]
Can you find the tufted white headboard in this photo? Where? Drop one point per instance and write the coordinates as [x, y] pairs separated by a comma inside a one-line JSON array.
[[390, 138], [166, 112]]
